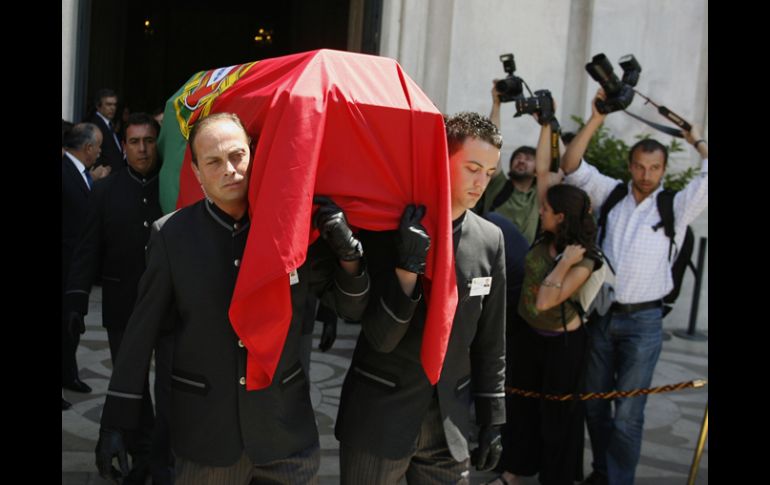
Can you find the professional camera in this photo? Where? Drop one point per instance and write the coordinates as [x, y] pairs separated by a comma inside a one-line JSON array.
[[511, 87], [619, 93], [541, 104]]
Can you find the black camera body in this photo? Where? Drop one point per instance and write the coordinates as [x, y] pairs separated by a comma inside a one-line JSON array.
[[619, 92], [511, 87], [541, 104]]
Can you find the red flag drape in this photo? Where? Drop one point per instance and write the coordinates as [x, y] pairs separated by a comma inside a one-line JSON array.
[[353, 127]]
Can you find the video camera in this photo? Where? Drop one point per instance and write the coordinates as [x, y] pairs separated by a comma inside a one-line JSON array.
[[619, 92], [509, 88]]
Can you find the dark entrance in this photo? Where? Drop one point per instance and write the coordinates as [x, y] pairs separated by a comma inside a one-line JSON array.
[[146, 49]]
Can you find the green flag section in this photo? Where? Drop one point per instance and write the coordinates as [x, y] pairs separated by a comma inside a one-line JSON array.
[[191, 102], [171, 146]]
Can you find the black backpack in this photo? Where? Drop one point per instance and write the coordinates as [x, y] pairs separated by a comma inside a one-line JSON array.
[[665, 203]]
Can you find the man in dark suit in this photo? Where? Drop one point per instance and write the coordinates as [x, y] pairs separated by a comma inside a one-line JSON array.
[[392, 422], [117, 229], [111, 159], [82, 144], [220, 432]]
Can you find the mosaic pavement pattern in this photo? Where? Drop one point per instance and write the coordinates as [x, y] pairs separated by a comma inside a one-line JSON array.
[[671, 429]]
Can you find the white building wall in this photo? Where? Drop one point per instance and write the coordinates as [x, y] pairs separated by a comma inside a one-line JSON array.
[[451, 49], [69, 17]]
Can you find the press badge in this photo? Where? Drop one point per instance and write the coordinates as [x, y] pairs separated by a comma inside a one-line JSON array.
[[481, 285], [294, 278]]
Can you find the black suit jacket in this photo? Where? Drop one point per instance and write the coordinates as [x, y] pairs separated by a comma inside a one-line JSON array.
[[193, 261], [114, 239], [111, 155], [74, 206], [386, 393]]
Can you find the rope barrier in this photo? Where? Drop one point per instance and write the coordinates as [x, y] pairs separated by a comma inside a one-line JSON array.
[[697, 383]]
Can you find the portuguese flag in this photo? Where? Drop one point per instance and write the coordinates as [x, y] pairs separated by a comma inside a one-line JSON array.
[[349, 126]]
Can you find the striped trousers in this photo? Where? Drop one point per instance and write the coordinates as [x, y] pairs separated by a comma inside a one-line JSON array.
[[431, 462], [300, 468]]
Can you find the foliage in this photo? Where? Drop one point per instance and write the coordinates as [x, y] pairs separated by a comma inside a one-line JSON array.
[[610, 156]]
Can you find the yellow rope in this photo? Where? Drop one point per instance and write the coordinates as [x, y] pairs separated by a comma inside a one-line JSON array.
[[608, 395]]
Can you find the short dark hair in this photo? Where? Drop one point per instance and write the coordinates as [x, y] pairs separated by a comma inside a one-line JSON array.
[[525, 149], [80, 135], [465, 124], [103, 93], [567, 137], [648, 145], [140, 119], [208, 120]]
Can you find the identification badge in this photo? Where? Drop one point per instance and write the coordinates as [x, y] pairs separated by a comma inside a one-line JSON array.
[[481, 285], [294, 278]]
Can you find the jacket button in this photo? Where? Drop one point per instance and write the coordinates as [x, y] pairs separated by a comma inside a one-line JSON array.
[[144, 200], [242, 380], [236, 226], [237, 262], [240, 343], [146, 224]]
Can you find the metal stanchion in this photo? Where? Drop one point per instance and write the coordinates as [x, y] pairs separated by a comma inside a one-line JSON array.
[[704, 428], [691, 333]]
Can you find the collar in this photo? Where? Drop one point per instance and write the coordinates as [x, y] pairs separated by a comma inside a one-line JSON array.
[[143, 179], [652, 196], [106, 121], [225, 220], [457, 224], [78, 164]]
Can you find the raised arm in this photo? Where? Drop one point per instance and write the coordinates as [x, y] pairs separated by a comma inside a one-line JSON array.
[[494, 114], [543, 162], [694, 138], [577, 147]]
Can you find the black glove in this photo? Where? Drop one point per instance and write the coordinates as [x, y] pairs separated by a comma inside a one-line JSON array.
[[486, 456], [331, 222], [76, 324], [412, 240], [110, 444]]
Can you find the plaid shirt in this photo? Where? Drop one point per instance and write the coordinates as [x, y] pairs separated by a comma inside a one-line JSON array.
[[637, 252]]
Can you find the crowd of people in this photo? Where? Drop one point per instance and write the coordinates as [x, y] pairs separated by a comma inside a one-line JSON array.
[[524, 243]]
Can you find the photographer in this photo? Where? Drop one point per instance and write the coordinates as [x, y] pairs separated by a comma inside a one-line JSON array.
[[548, 343], [626, 343], [514, 197]]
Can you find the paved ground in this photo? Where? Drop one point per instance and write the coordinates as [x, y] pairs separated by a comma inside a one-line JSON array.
[[671, 428]]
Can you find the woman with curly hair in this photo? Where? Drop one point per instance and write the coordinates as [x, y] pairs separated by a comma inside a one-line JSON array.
[[550, 343]]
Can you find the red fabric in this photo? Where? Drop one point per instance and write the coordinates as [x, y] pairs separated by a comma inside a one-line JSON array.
[[352, 127]]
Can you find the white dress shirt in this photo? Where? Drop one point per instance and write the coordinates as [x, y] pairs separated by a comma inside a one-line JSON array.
[[639, 254]]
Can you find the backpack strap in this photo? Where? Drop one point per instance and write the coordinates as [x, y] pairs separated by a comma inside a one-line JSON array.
[[502, 196], [665, 202], [617, 194]]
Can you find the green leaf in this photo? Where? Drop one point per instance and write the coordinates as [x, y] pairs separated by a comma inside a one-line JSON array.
[[610, 156]]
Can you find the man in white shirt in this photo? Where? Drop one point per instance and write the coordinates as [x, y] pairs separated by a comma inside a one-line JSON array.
[[626, 343]]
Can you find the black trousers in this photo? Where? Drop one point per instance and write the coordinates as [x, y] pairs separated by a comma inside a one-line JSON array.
[[541, 436], [69, 347], [138, 441], [161, 456]]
